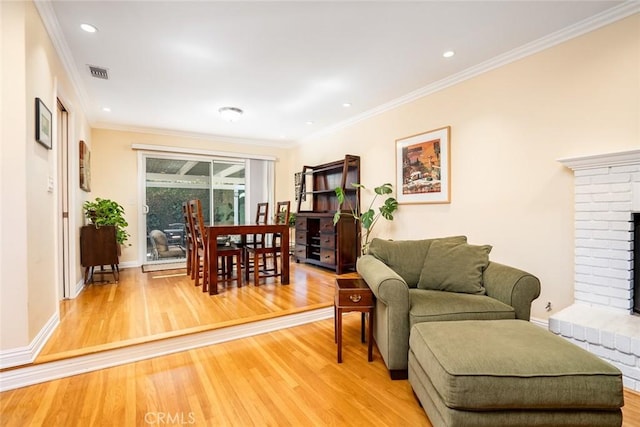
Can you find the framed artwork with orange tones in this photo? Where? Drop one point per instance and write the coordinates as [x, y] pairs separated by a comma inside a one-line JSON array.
[[423, 167], [85, 167]]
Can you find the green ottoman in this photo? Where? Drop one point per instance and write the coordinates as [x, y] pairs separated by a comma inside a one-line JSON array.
[[509, 373]]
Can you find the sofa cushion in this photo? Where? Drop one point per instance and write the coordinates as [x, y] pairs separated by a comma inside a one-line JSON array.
[[433, 306], [512, 364], [406, 257], [454, 267]]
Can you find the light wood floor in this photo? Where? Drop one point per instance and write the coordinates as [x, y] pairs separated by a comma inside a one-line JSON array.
[[288, 377], [155, 305]]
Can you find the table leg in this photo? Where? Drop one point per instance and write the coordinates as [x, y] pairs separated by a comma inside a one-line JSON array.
[[335, 324], [211, 262], [285, 256], [370, 349], [339, 332], [362, 327]]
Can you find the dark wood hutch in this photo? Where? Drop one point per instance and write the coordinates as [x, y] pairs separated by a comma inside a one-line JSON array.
[[318, 241]]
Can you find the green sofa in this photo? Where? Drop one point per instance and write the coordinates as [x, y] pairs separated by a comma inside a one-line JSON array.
[[443, 279]]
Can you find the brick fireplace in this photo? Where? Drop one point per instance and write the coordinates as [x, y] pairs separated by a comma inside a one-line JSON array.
[[601, 320]]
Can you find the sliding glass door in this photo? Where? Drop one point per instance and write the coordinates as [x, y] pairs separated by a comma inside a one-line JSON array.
[[170, 180]]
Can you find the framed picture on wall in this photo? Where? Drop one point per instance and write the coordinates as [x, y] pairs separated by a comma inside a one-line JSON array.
[[85, 167], [423, 167], [43, 124], [297, 180]]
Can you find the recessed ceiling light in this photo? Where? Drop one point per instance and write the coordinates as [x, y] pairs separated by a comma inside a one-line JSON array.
[[346, 104], [448, 54], [106, 109], [230, 114], [309, 122], [88, 28]]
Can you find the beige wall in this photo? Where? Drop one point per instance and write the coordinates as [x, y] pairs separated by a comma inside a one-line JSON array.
[[29, 219], [508, 128], [114, 171]]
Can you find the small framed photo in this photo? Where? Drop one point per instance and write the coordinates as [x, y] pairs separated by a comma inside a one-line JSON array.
[[423, 167], [43, 124], [85, 167]]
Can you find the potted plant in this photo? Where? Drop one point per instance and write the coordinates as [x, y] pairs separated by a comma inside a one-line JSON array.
[[369, 217], [107, 212]]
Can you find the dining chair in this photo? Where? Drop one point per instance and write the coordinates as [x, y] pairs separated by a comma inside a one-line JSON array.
[[199, 265], [255, 240], [188, 238], [227, 254], [265, 257]]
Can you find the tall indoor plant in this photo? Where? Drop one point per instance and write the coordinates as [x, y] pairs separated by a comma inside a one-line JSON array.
[[369, 217], [107, 212]]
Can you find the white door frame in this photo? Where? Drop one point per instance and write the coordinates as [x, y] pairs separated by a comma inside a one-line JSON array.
[[62, 211]]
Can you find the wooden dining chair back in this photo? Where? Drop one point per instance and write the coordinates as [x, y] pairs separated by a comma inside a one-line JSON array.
[[228, 254], [262, 217], [199, 265], [265, 257], [253, 240], [188, 238]]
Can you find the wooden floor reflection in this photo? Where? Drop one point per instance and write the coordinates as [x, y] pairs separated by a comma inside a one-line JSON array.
[[147, 306]]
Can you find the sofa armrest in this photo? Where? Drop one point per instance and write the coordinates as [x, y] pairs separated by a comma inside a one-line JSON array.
[[391, 320], [512, 286], [386, 284]]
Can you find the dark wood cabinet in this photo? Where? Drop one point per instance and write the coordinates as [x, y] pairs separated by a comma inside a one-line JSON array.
[[318, 241], [98, 247]]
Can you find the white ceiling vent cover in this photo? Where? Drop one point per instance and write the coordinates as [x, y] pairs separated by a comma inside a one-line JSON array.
[[99, 72]]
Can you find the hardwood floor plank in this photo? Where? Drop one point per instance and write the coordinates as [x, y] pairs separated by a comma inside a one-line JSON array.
[[287, 377], [146, 306]]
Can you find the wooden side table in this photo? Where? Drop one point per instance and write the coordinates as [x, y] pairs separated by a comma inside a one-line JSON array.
[[353, 295]]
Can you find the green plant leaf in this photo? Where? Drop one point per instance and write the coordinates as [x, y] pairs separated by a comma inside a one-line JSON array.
[[340, 195], [367, 218], [386, 188], [336, 217]]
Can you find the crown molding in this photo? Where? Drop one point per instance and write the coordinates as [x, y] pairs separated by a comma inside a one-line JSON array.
[[628, 8], [195, 135], [51, 24], [609, 16]]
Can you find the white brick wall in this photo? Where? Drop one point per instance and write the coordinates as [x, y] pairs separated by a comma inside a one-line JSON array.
[[603, 235], [607, 192]]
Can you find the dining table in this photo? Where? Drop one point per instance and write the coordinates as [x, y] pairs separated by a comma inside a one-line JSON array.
[[242, 230]]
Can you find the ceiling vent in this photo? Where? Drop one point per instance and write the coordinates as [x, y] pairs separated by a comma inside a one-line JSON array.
[[99, 72]]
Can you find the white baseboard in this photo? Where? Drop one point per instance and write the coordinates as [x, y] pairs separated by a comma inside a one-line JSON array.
[[26, 355], [78, 288], [543, 323], [35, 374]]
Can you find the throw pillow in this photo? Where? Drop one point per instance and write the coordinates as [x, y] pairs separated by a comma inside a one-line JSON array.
[[406, 257], [455, 267]]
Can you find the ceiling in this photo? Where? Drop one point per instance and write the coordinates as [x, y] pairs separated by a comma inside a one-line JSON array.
[[172, 65]]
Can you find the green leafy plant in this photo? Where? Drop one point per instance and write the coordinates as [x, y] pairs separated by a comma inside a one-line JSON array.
[[292, 219], [107, 212], [369, 217]]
